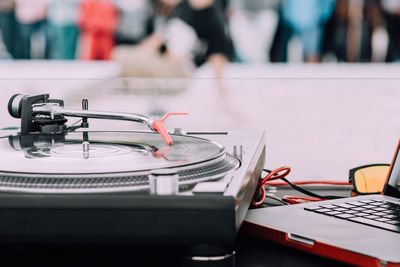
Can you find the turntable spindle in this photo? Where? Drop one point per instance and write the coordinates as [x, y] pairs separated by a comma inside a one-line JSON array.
[[85, 106]]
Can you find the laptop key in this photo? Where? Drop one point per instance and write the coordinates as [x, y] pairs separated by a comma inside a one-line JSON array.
[[332, 213], [344, 205], [369, 211], [382, 225], [379, 213], [380, 209], [394, 210], [394, 207], [355, 203], [322, 210], [340, 209], [366, 201], [328, 206], [382, 219], [312, 208], [350, 211], [388, 211], [390, 216], [376, 203], [344, 215], [359, 209], [395, 222], [369, 206], [372, 217], [361, 214]]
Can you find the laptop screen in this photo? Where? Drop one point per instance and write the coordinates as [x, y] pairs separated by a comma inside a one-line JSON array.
[[392, 187]]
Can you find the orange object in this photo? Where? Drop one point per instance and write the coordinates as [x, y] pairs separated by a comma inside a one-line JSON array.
[[169, 114], [158, 125], [97, 20]]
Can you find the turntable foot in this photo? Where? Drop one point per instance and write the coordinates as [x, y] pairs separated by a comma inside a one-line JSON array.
[[210, 256]]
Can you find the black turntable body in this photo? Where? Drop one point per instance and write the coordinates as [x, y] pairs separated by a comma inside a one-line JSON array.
[[71, 185]]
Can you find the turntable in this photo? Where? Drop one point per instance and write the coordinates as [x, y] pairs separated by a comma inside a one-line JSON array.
[[70, 184]]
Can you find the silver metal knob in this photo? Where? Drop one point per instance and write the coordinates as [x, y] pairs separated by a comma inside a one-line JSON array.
[[14, 105], [164, 182]]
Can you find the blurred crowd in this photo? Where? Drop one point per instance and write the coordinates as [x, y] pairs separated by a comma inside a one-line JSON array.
[[179, 35]]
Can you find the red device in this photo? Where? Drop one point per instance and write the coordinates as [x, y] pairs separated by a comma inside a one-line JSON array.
[[363, 230]]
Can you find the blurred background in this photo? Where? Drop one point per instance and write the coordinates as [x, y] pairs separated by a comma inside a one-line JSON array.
[[172, 38]]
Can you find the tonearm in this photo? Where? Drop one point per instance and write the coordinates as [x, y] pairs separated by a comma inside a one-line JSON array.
[[40, 113]]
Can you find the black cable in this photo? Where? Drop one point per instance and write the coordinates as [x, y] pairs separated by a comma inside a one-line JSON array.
[[306, 192]]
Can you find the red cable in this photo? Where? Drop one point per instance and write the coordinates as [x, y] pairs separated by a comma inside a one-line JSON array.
[[308, 182], [262, 198], [295, 199], [274, 175], [280, 173]]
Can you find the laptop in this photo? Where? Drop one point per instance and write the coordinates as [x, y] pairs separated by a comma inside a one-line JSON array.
[[362, 230]]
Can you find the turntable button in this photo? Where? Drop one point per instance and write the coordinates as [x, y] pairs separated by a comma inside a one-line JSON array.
[[210, 187], [164, 182]]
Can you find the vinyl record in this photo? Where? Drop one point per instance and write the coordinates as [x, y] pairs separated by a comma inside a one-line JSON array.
[[100, 162], [101, 152]]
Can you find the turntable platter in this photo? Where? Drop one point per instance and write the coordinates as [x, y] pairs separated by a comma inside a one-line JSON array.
[[94, 161], [105, 152]]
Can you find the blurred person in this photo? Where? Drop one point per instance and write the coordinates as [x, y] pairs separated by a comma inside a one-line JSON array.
[[211, 40], [8, 26], [305, 19], [336, 32], [97, 20], [62, 16], [355, 31], [252, 25], [194, 33], [354, 24], [163, 10], [363, 19], [391, 10], [31, 16], [135, 18]]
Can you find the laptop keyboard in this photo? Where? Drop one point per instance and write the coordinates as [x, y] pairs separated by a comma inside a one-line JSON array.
[[373, 212]]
